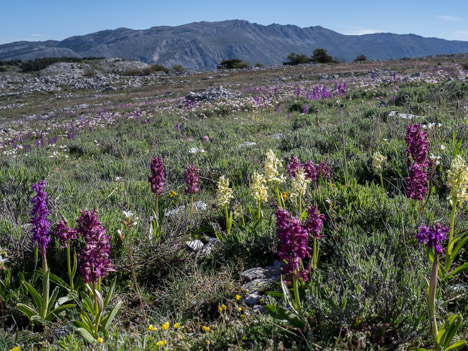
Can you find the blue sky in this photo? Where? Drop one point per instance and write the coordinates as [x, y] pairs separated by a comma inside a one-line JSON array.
[[35, 20]]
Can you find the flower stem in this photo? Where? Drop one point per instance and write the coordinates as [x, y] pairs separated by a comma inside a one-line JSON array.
[[259, 210], [431, 297], [191, 205], [316, 252], [452, 225], [278, 198], [228, 224], [135, 282], [381, 179], [296, 295], [45, 284], [69, 267]]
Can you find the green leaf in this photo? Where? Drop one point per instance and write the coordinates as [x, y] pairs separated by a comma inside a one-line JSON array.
[[457, 248], [37, 319], [282, 313], [108, 320], [458, 270], [110, 292], [53, 297], [452, 324], [274, 294], [86, 335], [59, 281], [26, 310], [36, 296], [457, 345], [79, 324], [58, 310]]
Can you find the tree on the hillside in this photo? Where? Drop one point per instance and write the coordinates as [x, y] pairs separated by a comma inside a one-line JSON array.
[[321, 56], [360, 58], [297, 59], [233, 63]]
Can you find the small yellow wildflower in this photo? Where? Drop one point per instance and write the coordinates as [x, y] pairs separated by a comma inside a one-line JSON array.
[[243, 316], [206, 329], [100, 340], [223, 306], [16, 348], [220, 309], [240, 309], [161, 343], [165, 326], [285, 195], [172, 194], [238, 297], [150, 327], [177, 325]]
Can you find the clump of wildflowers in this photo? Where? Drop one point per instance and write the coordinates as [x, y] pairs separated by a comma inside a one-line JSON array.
[[293, 246], [156, 178], [38, 216], [377, 162], [417, 146], [312, 171], [299, 185], [272, 163], [94, 259], [416, 186], [224, 192], [191, 180], [314, 221], [223, 196], [64, 233], [293, 166], [299, 188], [457, 181], [433, 237], [272, 174], [258, 187]]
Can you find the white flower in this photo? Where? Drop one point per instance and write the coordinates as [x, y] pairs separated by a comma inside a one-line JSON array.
[[128, 214], [435, 159], [442, 147]]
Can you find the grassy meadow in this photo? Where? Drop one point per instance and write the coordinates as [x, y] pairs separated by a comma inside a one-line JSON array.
[[368, 291]]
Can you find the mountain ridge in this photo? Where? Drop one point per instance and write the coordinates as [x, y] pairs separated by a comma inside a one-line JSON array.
[[202, 45]]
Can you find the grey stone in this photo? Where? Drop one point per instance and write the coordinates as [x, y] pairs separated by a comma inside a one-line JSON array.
[[252, 298], [258, 285], [246, 144], [259, 309], [209, 95], [403, 115], [276, 136], [261, 273], [195, 245], [197, 206]]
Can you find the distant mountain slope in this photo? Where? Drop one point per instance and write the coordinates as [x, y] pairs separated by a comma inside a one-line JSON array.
[[202, 45]]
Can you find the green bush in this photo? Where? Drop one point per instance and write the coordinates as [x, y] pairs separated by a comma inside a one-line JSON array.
[[233, 63]]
